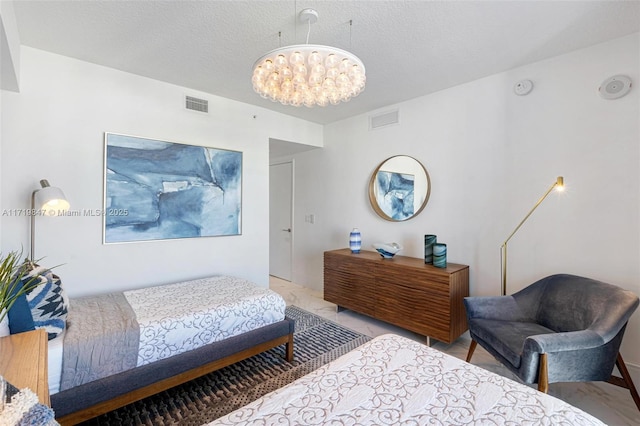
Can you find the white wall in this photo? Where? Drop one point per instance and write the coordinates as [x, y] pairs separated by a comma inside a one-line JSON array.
[[9, 48], [54, 129], [9, 59], [491, 155]]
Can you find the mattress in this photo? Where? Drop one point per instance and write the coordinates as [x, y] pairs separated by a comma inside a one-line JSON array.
[[177, 318], [392, 380], [54, 360]]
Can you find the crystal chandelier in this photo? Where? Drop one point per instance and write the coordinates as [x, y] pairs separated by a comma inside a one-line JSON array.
[[307, 74]]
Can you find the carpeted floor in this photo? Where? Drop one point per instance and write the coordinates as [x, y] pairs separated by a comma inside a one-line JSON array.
[[316, 342]]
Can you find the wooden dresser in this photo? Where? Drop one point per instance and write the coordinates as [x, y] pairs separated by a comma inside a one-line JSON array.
[[23, 362], [403, 291]]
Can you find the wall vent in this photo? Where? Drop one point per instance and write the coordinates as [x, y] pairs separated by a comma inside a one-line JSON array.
[[384, 119], [195, 104]]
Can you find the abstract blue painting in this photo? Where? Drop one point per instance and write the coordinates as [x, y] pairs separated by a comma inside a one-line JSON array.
[[395, 194], [157, 190]]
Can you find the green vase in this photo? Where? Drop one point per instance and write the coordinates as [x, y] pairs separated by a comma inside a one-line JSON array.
[[429, 241], [440, 255]]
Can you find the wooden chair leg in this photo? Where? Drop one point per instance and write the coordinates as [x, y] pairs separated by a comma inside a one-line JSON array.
[[543, 374], [625, 381], [472, 348]]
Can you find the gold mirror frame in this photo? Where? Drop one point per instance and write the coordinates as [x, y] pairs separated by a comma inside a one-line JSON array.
[[394, 163]]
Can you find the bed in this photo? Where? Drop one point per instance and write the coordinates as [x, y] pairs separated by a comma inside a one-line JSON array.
[[392, 380], [121, 347]]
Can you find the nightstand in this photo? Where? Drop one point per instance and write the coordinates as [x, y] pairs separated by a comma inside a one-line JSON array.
[[23, 362]]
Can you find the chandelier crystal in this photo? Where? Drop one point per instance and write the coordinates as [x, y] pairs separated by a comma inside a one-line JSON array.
[[307, 74]]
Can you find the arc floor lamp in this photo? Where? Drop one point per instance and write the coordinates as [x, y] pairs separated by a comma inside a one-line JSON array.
[[558, 185], [46, 201]]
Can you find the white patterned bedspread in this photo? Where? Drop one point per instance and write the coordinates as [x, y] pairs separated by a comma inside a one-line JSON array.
[[392, 380], [179, 317]]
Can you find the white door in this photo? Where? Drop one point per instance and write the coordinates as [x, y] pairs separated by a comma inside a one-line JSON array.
[[280, 223]]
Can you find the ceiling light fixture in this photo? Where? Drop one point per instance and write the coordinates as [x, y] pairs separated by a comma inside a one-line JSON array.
[[308, 74]]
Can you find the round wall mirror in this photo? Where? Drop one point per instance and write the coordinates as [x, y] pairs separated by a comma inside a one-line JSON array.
[[399, 188]]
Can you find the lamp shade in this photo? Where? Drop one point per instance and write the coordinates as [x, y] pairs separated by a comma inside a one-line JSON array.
[[50, 200], [46, 201]]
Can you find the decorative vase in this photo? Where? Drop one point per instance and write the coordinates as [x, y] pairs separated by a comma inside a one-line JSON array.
[[355, 241], [429, 241], [440, 255]]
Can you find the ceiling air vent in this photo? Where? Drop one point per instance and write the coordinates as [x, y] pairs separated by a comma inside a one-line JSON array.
[[382, 120], [195, 104]]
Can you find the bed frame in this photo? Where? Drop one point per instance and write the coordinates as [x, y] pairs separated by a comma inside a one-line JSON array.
[[92, 399]]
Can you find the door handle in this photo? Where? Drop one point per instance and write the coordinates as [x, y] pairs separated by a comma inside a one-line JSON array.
[[287, 230]]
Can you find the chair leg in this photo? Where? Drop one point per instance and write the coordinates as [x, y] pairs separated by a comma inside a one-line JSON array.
[[543, 374], [472, 348], [625, 381]]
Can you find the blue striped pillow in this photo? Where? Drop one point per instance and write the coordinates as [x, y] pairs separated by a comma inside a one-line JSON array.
[[48, 303]]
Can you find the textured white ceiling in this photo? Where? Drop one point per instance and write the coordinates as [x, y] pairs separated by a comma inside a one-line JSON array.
[[409, 48]]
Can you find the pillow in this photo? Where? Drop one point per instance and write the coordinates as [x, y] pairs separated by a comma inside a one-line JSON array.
[[48, 303], [19, 315], [22, 407]]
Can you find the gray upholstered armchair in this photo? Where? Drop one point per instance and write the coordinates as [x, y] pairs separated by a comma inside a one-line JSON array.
[[562, 328]]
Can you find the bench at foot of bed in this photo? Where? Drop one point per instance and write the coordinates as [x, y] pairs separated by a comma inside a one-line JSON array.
[[92, 399]]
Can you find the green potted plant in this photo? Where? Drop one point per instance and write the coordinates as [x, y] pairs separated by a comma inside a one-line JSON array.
[[12, 269]]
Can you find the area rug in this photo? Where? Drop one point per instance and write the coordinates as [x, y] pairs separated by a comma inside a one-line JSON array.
[[317, 341]]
